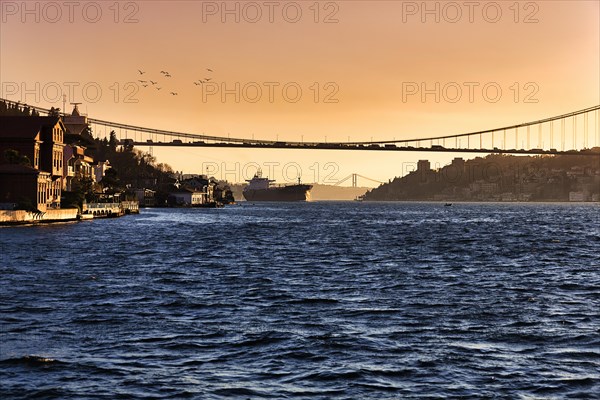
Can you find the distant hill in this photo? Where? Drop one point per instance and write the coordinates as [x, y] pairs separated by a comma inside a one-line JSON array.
[[499, 178], [329, 192], [318, 193]]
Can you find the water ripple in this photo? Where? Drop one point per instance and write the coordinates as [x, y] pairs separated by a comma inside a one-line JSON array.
[[316, 300]]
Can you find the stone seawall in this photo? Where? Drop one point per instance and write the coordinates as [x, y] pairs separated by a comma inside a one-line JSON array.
[[26, 217]]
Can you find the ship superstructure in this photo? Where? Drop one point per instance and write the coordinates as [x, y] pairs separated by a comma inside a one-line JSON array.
[[261, 189]]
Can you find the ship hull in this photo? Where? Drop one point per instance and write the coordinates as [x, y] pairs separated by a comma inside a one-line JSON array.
[[286, 193]]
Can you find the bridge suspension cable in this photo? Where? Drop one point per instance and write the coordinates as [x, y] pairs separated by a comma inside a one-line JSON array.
[[517, 126], [354, 180], [221, 140]]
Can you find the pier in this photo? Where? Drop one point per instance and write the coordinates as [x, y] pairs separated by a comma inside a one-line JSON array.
[[103, 210]]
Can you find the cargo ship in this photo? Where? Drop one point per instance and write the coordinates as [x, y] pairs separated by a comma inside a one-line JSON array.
[[260, 189]]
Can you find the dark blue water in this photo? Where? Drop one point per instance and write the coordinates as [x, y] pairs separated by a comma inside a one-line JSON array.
[[316, 300]]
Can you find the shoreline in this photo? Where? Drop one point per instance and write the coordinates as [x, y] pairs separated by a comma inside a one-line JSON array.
[[65, 215], [22, 217]]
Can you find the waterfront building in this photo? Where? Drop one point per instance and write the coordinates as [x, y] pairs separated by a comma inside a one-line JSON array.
[[577, 196], [146, 197], [201, 183], [78, 164], [22, 134], [186, 197], [24, 187], [40, 143]]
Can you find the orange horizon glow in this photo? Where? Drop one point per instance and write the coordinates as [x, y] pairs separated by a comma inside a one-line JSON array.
[[353, 60]]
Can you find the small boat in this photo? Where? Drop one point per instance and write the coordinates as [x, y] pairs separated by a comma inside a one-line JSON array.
[[448, 205]]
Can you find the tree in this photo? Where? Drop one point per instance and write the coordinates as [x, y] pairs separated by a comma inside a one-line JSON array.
[[82, 188], [228, 197], [112, 142], [110, 179], [14, 157], [26, 204], [54, 112]]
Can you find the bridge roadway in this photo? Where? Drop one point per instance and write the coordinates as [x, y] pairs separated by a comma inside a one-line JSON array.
[[195, 140], [355, 147]]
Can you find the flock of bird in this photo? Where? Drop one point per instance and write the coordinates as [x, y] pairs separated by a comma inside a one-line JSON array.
[[166, 74]]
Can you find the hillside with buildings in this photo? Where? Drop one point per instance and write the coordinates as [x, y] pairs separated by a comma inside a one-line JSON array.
[[498, 178], [53, 162]]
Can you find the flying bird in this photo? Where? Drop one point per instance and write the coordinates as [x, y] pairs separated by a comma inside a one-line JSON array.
[[207, 79], [158, 88], [167, 76], [141, 72], [196, 83], [144, 85], [163, 72], [152, 82], [174, 94], [209, 70], [142, 81]]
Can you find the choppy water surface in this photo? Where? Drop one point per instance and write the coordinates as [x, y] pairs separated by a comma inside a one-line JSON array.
[[316, 300]]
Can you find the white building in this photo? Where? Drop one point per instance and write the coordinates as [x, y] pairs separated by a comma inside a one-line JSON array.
[[100, 170], [576, 196], [187, 197]]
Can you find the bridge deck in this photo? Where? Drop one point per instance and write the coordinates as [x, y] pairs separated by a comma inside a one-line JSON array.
[[354, 147]]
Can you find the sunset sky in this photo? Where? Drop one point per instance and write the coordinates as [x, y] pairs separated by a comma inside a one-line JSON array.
[[352, 60]]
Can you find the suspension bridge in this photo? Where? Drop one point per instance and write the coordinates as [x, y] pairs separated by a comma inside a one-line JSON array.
[[354, 177], [574, 133]]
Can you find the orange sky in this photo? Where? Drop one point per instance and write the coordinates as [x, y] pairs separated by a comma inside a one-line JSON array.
[[367, 53]]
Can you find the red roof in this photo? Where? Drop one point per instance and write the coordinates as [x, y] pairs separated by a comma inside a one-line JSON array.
[[23, 127]]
